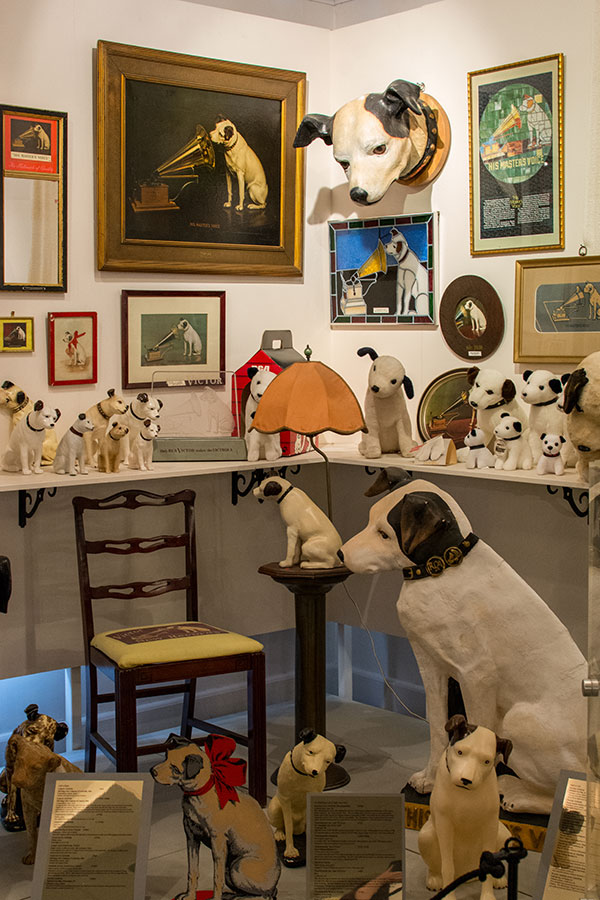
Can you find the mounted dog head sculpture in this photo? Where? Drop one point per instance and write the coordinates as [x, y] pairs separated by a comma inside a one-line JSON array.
[[400, 135]]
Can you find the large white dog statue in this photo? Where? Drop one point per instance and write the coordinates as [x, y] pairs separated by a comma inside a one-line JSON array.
[[519, 670]]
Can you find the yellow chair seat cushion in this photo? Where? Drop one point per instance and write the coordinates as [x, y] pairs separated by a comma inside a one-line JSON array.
[[171, 642]]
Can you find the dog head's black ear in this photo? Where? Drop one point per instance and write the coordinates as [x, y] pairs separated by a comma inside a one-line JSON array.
[[143, 398], [340, 752], [81, 416], [367, 351], [252, 370], [62, 730], [504, 414], [388, 480], [160, 404], [7, 384], [58, 414], [504, 747], [527, 374], [272, 488], [543, 435], [111, 392], [147, 422], [575, 384], [176, 740], [457, 727], [509, 390], [417, 518], [228, 132], [192, 766], [564, 378], [555, 384], [408, 387], [307, 735], [472, 375], [518, 427], [313, 126], [391, 107], [39, 404]]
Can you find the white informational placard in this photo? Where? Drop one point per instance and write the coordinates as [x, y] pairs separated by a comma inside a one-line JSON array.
[[94, 836], [561, 874], [355, 841]]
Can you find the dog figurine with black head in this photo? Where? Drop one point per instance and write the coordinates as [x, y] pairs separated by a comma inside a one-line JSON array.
[[464, 805], [16, 402], [386, 413], [232, 825], [259, 446], [241, 163], [303, 771], [492, 394], [400, 135], [468, 615], [581, 403], [24, 450], [312, 540]]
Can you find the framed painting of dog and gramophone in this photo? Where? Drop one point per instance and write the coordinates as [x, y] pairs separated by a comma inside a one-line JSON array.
[[196, 166]]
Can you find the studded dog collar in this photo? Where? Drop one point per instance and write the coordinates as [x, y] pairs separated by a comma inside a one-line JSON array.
[[436, 565], [430, 148]]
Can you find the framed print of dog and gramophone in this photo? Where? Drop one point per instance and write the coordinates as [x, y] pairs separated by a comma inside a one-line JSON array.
[[516, 157], [196, 168]]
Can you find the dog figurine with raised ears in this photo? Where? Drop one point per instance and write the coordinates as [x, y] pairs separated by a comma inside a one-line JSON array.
[[468, 615], [464, 820], [231, 824], [400, 135]]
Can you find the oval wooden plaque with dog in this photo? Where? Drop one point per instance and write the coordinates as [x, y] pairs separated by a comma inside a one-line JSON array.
[[471, 317]]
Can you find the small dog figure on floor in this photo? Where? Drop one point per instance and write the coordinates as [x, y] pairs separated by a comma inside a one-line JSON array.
[[71, 448], [24, 451], [465, 805], [109, 454], [312, 540], [231, 825], [29, 764], [241, 163], [302, 771], [141, 451]]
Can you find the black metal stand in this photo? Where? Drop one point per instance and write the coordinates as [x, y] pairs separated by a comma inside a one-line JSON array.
[[493, 864]]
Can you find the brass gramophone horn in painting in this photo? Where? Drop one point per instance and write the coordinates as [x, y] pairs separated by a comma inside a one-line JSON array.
[[154, 195]]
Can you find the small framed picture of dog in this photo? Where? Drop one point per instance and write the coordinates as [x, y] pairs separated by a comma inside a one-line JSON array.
[[72, 348], [16, 334], [383, 271], [172, 337]]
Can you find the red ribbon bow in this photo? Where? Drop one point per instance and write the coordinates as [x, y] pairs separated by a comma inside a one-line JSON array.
[[227, 773]]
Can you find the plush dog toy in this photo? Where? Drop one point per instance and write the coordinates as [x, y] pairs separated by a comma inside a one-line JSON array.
[[71, 448], [18, 405], [400, 135], [511, 449], [260, 446], [479, 456], [109, 454], [465, 803], [542, 391], [490, 395], [141, 451], [312, 540], [302, 771], [581, 403], [386, 414], [231, 824], [550, 459], [100, 414], [29, 764], [24, 451]]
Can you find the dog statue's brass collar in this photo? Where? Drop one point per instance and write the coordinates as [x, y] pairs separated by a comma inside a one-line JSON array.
[[101, 411], [436, 565]]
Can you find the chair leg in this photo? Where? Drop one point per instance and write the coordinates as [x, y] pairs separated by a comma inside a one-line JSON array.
[[91, 716], [187, 713], [257, 730], [125, 721]]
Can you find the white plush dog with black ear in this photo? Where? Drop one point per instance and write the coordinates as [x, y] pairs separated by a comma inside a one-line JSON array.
[[479, 456], [542, 391], [492, 394], [24, 451], [71, 448], [512, 448], [550, 459], [386, 413]]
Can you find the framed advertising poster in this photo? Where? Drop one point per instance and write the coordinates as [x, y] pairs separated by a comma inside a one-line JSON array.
[[196, 166], [516, 157], [72, 348]]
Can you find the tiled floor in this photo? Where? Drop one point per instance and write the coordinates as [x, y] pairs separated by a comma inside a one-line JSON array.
[[383, 749]]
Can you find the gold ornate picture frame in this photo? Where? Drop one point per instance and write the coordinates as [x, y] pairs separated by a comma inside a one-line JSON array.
[[196, 168], [516, 178]]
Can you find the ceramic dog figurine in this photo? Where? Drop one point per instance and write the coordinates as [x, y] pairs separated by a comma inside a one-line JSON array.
[[581, 403], [30, 763], [512, 448], [312, 541], [231, 825], [16, 402], [142, 407], [71, 448], [109, 454], [24, 451], [100, 414], [386, 414], [518, 668], [260, 446], [465, 805], [400, 135], [141, 451], [302, 771], [490, 395]]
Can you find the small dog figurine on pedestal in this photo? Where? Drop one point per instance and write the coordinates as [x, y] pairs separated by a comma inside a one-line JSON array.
[[465, 806], [109, 455], [302, 771], [24, 451], [386, 414]]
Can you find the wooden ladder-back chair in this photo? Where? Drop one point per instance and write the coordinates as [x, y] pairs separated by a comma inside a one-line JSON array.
[[141, 660]]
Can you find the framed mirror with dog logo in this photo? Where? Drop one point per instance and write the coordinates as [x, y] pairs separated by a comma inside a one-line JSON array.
[[33, 200]]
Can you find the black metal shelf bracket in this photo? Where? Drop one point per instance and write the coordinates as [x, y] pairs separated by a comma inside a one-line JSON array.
[[29, 502], [243, 482], [580, 504]]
